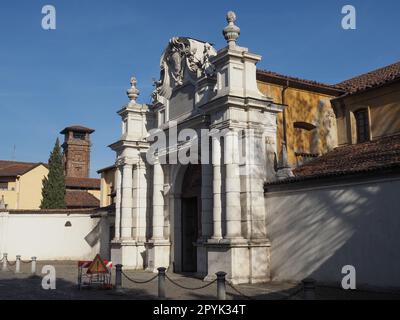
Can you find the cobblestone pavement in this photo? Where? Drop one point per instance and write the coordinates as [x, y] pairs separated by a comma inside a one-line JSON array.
[[23, 286]]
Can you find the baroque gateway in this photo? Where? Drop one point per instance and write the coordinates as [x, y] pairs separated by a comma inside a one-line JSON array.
[[209, 215]]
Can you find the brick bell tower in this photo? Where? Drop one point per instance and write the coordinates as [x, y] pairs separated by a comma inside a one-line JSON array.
[[77, 151]]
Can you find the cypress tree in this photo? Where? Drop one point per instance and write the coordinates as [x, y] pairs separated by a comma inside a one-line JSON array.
[[53, 190]]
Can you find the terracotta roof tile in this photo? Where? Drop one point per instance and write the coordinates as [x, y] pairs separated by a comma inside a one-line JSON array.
[[82, 183], [80, 199], [112, 167], [16, 168], [372, 79], [77, 128], [365, 157], [274, 77]]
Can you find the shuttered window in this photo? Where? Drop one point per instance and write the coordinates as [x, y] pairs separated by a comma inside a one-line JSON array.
[[362, 125]]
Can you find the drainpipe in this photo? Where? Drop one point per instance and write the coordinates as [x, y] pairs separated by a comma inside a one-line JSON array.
[[284, 169], [284, 137]]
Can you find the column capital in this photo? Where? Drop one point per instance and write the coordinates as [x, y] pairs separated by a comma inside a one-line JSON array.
[[129, 163], [141, 163], [122, 162], [156, 160], [232, 130]]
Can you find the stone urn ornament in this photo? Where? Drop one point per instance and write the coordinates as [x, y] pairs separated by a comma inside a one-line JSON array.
[[231, 31]]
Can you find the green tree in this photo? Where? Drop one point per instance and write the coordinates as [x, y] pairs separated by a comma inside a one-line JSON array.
[[53, 190]]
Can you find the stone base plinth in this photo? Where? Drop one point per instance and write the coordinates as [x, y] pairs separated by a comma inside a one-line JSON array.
[[131, 254], [158, 254], [243, 261], [201, 260]]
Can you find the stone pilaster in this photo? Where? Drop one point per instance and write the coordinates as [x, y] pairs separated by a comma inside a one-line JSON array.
[[253, 177], [232, 186], [126, 203], [141, 201], [217, 184], [158, 202], [206, 201], [118, 181], [158, 246]]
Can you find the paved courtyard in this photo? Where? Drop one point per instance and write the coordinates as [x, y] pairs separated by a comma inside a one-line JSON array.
[[24, 286]]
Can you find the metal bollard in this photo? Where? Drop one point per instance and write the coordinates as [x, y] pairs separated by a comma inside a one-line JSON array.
[[118, 277], [221, 286], [33, 265], [4, 268], [18, 264], [161, 282], [308, 289]]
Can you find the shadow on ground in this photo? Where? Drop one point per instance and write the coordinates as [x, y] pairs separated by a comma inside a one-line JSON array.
[[31, 289], [24, 287]]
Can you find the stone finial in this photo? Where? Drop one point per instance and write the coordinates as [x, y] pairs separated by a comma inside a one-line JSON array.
[[133, 92], [231, 31], [284, 169]]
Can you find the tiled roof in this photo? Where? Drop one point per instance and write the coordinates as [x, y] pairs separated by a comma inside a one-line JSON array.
[[82, 183], [372, 79], [106, 169], [365, 157], [77, 128], [274, 77], [357, 84], [80, 199], [16, 168]]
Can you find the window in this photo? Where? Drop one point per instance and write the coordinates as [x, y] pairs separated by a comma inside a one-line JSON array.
[[306, 142], [304, 136], [304, 125], [162, 117], [78, 157], [79, 136], [362, 125], [3, 185]]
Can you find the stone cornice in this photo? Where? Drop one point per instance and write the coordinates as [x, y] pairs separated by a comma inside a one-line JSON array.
[[134, 108], [130, 144], [243, 103]]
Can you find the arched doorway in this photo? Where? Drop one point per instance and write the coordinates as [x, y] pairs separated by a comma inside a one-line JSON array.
[[190, 217]]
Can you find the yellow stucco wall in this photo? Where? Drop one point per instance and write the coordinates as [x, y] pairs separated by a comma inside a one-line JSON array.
[[384, 113], [307, 107], [10, 195], [30, 188], [96, 193], [107, 183], [25, 192]]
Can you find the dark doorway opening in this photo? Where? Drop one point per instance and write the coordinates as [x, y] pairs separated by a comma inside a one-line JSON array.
[[190, 217], [189, 234]]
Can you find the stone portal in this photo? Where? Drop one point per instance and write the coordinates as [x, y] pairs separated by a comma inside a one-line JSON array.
[[191, 166]]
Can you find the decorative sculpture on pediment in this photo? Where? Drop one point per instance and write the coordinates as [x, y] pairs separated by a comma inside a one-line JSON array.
[[207, 67], [175, 59], [184, 61]]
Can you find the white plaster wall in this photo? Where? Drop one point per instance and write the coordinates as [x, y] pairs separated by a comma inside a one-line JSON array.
[[315, 232], [46, 237]]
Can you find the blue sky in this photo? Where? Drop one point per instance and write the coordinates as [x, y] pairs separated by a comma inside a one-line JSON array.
[[79, 73]]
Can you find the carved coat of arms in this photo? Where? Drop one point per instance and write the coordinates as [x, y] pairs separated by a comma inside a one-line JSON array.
[[184, 60]]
